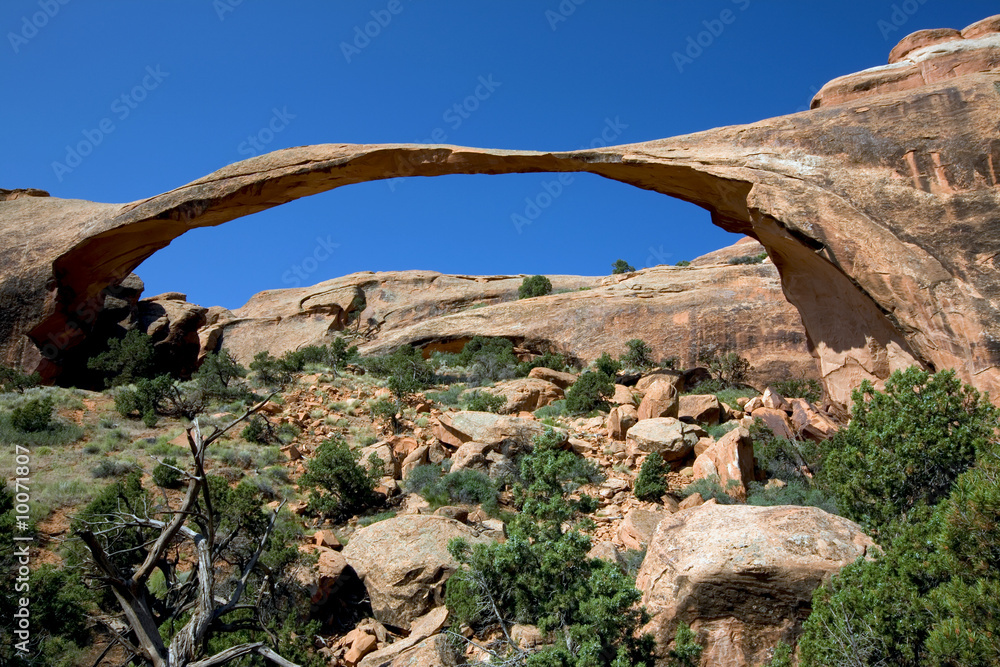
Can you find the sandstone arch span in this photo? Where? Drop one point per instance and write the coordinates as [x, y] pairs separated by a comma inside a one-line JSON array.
[[880, 211]]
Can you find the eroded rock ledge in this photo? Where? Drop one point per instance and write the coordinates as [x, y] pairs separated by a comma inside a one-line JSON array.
[[880, 210]]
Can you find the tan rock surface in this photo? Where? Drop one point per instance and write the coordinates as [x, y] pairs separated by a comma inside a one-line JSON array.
[[404, 563], [731, 459], [876, 208], [526, 394], [744, 589], [457, 428], [660, 400], [672, 438]]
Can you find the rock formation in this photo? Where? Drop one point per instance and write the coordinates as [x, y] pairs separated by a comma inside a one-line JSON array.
[[879, 208]]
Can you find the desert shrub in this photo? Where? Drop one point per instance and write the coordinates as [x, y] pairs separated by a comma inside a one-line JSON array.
[[621, 266], [449, 396], [749, 259], [607, 364], [637, 354], [160, 396], [793, 492], [651, 483], [534, 286], [905, 445], [489, 359], [387, 412], [811, 390], [421, 477], [271, 371], [781, 657], [686, 651], [33, 415], [220, 376], [708, 488], [552, 360], [541, 574], [12, 379], [552, 410], [482, 401], [114, 468], [343, 488], [375, 518], [729, 369], [462, 487], [683, 262], [126, 360], [258, 430], [406, 368], [589, 392], [166, 474]]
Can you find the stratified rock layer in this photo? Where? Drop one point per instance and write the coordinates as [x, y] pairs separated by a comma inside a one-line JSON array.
[[879, 208]]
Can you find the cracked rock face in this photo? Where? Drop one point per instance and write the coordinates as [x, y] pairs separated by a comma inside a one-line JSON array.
[[880, 209]]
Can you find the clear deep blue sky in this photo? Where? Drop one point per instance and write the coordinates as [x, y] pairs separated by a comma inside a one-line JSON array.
[[207, 83]]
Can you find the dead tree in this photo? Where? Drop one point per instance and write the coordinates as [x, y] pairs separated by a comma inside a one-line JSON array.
[[201, 598]]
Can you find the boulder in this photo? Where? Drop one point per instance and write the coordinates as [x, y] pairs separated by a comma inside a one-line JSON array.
[[660, 400], [772, 399], [620, 420], [776, 420], [731, 460], [526, 394], [623, 396], [672, 438], [471, 455], [421, 648], [417, 457], [558, 378], [638, 527], [404, 564], [700, 408], [384, 451], [675, 378], [810, 423], [605, 550], [456, 428], [742, 576]]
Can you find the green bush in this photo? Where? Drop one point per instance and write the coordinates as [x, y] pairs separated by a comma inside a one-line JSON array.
[[749, 259], [489, 359], [541, 574], [462, 487], [166, 474], [258, 430], [12, 379], [637, 354], [708, 488], [811, 390], [406, 368], [607, 364], [683, 262], [906, 445], [343, 488], [651, 483], [271, 371], [621, 266], [686, 651], [794, 492], [729, 369], [126, 360], [589, 392], [33, 416], [114, 468], [482, 401], [159, 396], [552, 410], [551, 360], [387, 411], [220, 376], [534, 286]]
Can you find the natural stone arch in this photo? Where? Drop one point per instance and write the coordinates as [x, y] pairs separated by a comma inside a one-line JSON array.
[[880, 214]]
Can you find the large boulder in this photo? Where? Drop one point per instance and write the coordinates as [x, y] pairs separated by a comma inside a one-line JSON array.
[[638, 527], [457, 428], [620, 420], [423, 647], [731, 460], [526, 394], [742, 576], [672, 438], [700, 408], [660, 400], [558, 378], [404, 563]]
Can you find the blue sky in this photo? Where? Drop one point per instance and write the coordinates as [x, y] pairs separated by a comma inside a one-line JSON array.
[[162, 93]]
